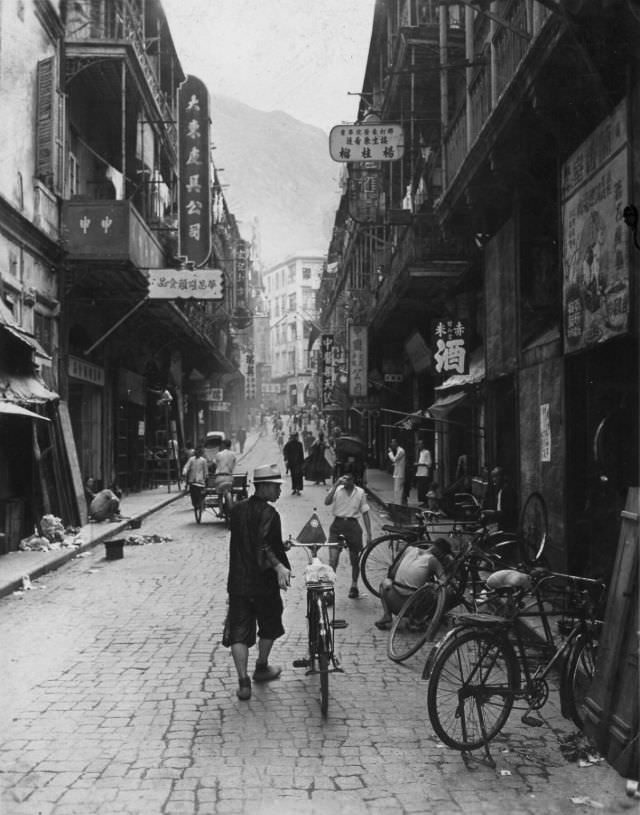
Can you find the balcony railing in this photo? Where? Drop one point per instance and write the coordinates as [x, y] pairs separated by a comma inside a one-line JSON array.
[[121, 21], [109, 231], [508, 49]]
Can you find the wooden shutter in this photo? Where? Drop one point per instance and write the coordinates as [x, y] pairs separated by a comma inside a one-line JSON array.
[[50, 117]]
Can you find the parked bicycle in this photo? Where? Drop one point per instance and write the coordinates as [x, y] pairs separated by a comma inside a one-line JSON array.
[[378, 556], [420, 619], [321, 621], [488, 662]]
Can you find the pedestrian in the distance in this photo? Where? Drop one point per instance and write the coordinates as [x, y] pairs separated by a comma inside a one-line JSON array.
[[258, 569], [423, 472], [398, 458], [242, 439], [293, 454], [348, 503], [195, 475]]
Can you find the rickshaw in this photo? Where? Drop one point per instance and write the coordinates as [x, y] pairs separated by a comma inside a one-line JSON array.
[[216, 497], [350, 450]]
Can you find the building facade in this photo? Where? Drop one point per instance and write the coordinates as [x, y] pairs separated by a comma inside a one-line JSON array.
[[88, 205], [493, 261], [290, 290]]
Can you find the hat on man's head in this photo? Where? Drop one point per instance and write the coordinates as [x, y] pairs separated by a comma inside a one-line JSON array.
[[267, 474]]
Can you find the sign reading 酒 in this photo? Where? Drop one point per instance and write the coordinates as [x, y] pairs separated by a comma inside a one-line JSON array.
[[358, 361], [380, 141], [172, 284], [193, 156], [595, 189], [450, 344]]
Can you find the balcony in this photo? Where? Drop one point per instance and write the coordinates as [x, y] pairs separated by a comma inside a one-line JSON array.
[[510, 55], [109, 231]]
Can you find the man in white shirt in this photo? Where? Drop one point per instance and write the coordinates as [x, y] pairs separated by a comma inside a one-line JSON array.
[[225, 464], [398, 458], [348, 503], [423, 473]]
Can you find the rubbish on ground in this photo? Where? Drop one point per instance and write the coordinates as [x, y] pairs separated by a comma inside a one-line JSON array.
[[586, 802], [505, 772], [26, 582], [632, 788], [577, 747], [141, 540], [52, 528]]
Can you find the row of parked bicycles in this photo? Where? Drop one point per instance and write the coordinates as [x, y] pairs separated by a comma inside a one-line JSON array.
[[493, 628]]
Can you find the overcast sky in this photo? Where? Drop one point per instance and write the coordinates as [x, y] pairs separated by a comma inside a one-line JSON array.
[[299, 56]]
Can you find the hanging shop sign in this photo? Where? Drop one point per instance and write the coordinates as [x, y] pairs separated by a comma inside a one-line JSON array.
[[85, 371], [241, 317], [365, 195], [250, 376], [173, 284], [194, 199], [450, 343], [326, 367], [595, 189], [213, 394], [220, 407], [358, 360], [375, 141]]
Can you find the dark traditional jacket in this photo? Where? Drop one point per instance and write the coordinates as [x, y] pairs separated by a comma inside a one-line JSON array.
[[255, 549]]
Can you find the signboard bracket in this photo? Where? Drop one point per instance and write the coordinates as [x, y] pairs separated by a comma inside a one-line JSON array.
[[116, 325]]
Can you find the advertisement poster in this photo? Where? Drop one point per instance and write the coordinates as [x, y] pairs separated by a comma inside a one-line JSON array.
[[595, 238]]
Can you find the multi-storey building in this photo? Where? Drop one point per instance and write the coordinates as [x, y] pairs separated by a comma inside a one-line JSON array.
[[493, 262], [290, 289], [88, 204]]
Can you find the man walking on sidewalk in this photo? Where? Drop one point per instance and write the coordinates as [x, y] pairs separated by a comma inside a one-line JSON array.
[[348, 503], [258, 569]]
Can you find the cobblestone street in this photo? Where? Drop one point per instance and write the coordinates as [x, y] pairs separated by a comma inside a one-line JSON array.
[[119, 698]]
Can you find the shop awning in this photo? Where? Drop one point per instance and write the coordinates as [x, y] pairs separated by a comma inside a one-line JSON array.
[[27, 339], [20, 388], [446, 403], [11, 409]]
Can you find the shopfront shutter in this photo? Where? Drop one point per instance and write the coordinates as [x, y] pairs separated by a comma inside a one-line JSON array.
[[50, 118]]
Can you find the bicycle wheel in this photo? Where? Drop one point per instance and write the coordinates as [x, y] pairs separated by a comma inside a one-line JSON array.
[[471, 688], [417, 621], [577, 676], [376, 559], [533, 528], [325, 649]]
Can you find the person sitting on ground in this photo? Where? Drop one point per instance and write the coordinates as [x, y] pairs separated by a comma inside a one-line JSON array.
[[104, 504], [412, 568]]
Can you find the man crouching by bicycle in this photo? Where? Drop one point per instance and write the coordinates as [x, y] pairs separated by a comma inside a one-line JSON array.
[[411, 569], [258, 569]]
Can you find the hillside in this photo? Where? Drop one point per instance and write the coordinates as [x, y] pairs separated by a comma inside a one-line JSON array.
[[278, 170]]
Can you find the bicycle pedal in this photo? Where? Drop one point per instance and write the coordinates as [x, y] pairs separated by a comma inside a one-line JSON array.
[[339, 624], [531, 721], [301, 663]]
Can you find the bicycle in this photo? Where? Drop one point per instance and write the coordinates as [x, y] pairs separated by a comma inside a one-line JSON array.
[[377, 556], [420, 618], [322, 659], [487, 663]]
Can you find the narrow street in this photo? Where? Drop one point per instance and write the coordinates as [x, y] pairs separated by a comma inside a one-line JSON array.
[[122, 700]]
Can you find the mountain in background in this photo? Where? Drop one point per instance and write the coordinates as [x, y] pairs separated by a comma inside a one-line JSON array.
[[278, 171]]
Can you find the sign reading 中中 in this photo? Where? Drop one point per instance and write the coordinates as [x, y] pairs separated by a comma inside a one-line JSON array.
[[173, 284], [450, 344], [194, 199], [379, 141]]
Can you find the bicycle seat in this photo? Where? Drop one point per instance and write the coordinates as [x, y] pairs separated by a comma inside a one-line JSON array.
[[509, 579], [470, 618]]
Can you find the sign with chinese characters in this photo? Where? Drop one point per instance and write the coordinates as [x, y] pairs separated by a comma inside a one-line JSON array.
[[365, 195], [194, 199], [220, 407], [450, 354], [85, 371], [213, 394], [172, 284], [393, 378], [250, 376], [595, 240], [358, 360], [326, 367], [379, 141]]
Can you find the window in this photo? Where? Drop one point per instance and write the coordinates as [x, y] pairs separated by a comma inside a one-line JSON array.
[[306, 273], [43, 330], [308, 299], [292, 301], [74, 186], [293, 332], [292, 273]]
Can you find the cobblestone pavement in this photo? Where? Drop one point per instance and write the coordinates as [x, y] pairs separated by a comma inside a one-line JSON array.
[[119, 698]]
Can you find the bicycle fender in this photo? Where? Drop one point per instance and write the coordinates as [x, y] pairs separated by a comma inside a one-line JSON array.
[[438, 646]]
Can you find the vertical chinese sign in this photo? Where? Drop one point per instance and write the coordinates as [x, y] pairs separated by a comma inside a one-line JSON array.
[[595, 189], [250, 376], [450, 340], [193, 156], [326, 368], [358, 361]]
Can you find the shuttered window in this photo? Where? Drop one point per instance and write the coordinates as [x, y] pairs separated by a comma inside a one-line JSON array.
[[50, 134]]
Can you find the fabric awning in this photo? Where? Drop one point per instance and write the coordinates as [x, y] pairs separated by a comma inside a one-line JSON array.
[[20, 388], [11, 409], [446, 403], [475, 376], [27, 339]]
